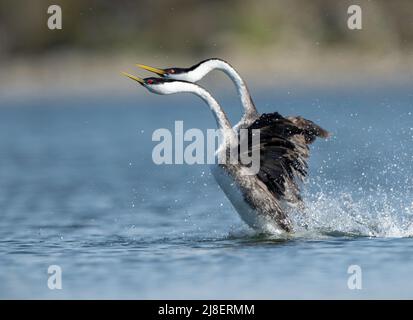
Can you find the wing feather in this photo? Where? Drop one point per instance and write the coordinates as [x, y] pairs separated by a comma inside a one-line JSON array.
[[284, 152]]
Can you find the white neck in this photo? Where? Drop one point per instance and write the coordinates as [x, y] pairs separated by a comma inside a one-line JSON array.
[[220, 117], [205, 67]]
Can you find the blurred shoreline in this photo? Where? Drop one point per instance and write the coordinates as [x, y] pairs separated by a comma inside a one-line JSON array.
[[274, 44], [79, 74]]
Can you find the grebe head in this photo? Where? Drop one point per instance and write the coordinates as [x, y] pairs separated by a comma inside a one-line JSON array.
[[191, 74], [161, 85], [174, 73]]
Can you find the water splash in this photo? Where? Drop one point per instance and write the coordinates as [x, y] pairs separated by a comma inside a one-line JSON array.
[[377, 213]]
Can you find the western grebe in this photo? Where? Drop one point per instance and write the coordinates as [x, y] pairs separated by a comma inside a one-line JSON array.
[[201, 69], [251, 195], [271, 124]]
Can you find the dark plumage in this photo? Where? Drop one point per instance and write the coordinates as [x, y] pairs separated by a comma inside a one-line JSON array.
[[284, 152], [258, 196], [310, 130]]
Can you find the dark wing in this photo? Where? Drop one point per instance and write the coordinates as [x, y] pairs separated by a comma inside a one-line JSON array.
[[310, 130], [283, 153]]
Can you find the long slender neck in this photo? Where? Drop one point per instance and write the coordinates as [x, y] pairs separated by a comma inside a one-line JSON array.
[[245, 97], [220, 116]]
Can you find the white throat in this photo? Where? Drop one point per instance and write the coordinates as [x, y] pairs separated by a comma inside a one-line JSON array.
[[204, 68], [219, 114]]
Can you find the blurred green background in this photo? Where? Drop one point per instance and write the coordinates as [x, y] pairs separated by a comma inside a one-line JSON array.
[[293, 37], [193, 27]]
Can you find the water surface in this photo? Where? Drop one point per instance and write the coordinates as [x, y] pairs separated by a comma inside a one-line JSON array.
[[79, 190]]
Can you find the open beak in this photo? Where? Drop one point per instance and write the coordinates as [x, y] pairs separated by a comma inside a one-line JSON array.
[[141, 81], [152, 69]]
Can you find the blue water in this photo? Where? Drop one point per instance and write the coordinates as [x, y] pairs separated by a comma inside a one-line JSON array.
[[78, 189]]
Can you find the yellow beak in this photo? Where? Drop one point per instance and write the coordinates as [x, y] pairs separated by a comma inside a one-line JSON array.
[[141, 81], [152, 69]]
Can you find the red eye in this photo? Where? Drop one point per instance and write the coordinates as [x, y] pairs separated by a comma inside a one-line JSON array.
[[150, 81]]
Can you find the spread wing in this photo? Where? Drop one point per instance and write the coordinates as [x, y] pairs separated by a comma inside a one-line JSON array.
[[310, 130], [284, 151]]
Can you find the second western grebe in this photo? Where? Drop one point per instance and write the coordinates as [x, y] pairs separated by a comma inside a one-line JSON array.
[[253, 196], [302, 131], [201, 69]]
